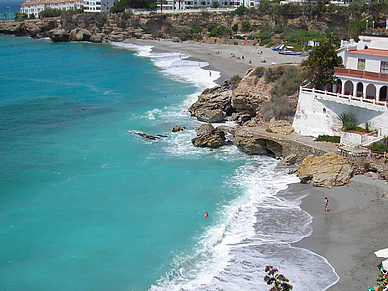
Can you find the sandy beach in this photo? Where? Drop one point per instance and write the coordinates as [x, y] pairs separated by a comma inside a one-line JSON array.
[[220, 57], [353, 229], [356, 224]]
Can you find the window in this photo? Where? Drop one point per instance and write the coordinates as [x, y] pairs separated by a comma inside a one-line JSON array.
[[361, 65], [384, 67]]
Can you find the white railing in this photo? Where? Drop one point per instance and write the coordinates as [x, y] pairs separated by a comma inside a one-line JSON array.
[[320, 94]]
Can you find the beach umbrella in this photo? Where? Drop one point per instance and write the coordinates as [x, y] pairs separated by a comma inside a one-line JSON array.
[[382, 253], [385, 264]]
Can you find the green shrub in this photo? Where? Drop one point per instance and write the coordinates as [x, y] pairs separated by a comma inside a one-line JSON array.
[[240, 10], [377, 147], [329, 138], [259, 72], [234, 81], [348, 121]]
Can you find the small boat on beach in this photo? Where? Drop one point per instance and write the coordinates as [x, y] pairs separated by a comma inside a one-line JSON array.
[[289, 53], [278, 48]]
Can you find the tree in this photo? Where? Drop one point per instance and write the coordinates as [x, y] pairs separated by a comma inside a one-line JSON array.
[[320, 64], [246, 27], [215, 4], [240, 10], [235, 27], [278, 281]]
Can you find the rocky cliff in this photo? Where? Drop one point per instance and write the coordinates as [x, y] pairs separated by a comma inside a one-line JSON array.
[[178, 26]]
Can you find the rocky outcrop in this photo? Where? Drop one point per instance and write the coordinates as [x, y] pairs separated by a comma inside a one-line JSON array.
[[254, 144], [177, 128], [80, 34], [213, 104], [327, 171], [280, 126], [59, 35], [250, 94], [208, 136], [98, 37]]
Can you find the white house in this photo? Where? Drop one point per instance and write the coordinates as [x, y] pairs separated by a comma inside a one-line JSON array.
[[361, 91], [190, 4], [34, 7], [98, 5]]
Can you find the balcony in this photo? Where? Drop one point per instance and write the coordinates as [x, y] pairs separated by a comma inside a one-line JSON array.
[[371, 104], [361, 74]]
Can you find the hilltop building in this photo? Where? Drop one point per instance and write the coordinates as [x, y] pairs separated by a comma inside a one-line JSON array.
[[190, 4], [361, 91], [34, 7], [98, 5]]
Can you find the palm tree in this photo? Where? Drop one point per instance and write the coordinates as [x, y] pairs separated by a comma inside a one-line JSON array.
[[5, 16]]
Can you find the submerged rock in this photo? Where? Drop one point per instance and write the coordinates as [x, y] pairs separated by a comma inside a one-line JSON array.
[[327, 171], [151, 137], [176, 128]]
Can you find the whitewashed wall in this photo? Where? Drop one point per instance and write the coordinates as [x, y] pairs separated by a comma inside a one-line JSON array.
[[315, 116]]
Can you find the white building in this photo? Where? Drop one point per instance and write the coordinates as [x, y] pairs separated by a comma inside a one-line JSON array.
[[190, 4], [34, 7], [98, 5], [361, 91]]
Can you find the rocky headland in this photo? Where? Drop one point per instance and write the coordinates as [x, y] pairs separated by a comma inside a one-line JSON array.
[[317, 163]]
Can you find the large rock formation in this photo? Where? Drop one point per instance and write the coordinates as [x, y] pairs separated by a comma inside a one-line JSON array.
[[327, 171], [208, 136], [213, 104], [59, 35], [250, 94], [80, 34], [254, 144]]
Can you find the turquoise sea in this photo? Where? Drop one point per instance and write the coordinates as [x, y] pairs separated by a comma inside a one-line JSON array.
[[86, 204]]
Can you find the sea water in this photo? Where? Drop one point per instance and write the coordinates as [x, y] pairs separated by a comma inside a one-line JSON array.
[[87, 204]]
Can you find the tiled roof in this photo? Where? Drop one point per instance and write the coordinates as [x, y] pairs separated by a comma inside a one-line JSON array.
[[370, 51], [47, 2]]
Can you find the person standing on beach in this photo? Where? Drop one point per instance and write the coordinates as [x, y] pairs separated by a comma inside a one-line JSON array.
[[325, 203]]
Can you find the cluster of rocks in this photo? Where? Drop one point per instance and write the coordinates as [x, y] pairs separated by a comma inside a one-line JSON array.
[[208, 136], [215, 104]]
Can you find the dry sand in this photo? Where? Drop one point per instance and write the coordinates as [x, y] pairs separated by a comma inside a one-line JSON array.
[[353, 229], [223, 62], [356, 225]]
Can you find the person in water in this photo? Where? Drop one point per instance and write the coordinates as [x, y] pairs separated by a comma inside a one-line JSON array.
[[325, 203], [206, 215]]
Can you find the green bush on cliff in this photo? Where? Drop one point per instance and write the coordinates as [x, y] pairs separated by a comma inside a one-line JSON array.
[[233, 82], [328, 138], [287, 80]]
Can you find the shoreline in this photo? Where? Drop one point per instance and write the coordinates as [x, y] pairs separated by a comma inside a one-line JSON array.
[[223, 62], [353, 230], [349, 234]]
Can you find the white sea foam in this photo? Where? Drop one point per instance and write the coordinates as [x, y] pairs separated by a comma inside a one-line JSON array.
[[176, 65], [250, 232]]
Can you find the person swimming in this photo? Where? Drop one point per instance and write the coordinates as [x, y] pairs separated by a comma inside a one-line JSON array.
[[206, 215]]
